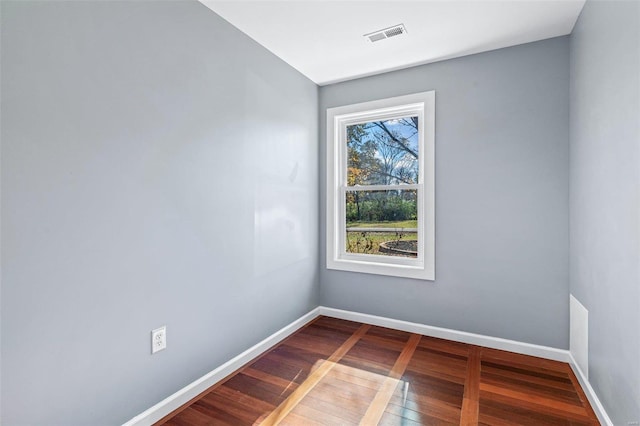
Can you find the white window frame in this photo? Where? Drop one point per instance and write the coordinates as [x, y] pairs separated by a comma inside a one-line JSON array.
[[423, 106]]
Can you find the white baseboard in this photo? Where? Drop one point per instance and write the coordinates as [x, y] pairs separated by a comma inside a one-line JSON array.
[[591, 394], [194, 389], [458, 336]]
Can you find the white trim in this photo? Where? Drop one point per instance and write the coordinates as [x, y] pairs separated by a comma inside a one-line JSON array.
[[591, 394], [401, 187], [420, 104], [446, 333], [187, 393], [194, 389]]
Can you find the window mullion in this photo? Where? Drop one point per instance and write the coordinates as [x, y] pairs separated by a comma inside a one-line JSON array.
[[394, 187]]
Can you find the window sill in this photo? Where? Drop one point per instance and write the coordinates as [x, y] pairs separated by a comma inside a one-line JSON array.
[[394, 270]]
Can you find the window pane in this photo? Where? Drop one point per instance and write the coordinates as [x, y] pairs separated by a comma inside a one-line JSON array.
[[382, 222], [383, 152]]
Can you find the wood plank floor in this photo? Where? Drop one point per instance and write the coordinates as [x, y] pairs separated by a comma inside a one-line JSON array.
[[336, 372]]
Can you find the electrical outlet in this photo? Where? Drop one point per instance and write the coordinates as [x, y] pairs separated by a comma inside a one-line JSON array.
[[158, 339]]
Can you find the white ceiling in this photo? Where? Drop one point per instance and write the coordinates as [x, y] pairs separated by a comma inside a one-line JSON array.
[[324, 39]]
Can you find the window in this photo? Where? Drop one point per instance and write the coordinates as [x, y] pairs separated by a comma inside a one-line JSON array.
[[380, 187]]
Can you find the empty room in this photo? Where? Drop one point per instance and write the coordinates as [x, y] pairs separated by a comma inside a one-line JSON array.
[[306, 212]]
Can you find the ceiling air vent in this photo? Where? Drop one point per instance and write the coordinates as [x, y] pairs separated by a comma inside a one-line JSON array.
[[396, 30]]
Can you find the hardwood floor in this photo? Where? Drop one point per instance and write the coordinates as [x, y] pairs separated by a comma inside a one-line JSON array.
[[336, 372]]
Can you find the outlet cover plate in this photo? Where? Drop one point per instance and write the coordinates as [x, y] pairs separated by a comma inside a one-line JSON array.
[[158, 339]]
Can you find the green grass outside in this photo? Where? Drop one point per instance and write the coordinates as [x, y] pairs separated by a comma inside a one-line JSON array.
[[399, 224]]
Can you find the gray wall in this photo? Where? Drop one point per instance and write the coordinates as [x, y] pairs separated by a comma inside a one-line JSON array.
[[158, 167], [605, 197], [501, 196]]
